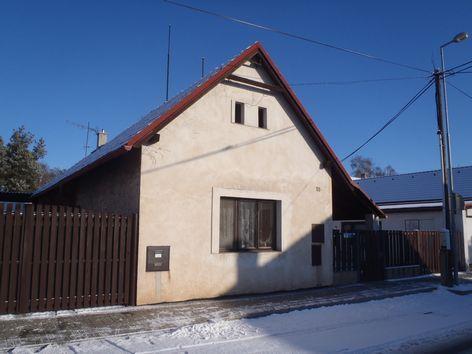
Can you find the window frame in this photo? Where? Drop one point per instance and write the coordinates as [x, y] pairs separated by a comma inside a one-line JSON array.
[[242, 108], [264, 117], [236, 242], [412, 220]]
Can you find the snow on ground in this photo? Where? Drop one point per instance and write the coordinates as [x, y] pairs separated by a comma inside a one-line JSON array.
[[405, 324]]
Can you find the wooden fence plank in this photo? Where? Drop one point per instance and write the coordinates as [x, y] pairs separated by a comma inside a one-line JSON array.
[[6, 258], [95, 259], [81, 259], [128, 267], [121, 262], [26, 255], [15, 260], [134, 260], [43, 274], [2, 238], [108, 263], [74, 259], [52, 260], [101, 262], [114, 266], [36, 262], [88, 260], [59, 258], [65, 292]]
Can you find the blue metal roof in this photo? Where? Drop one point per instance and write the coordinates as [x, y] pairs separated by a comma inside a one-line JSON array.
[[415, 187]]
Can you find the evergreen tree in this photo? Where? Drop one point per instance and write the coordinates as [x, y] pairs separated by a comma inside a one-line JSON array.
[[20, 169]]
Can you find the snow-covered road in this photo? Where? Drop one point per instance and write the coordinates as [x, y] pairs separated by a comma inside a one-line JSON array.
[[408, 324]]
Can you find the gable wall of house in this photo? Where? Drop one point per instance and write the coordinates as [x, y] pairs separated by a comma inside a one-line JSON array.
[[112, 187], [201, 156]]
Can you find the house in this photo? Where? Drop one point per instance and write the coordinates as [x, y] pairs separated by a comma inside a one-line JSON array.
[[413, 201], [14, 198], [234, 185]]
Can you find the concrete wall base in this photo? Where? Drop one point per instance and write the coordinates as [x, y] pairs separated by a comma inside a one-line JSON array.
[[343, 278]]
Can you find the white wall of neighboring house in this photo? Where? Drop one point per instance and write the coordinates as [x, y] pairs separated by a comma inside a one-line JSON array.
[[467, 227], [427, 220], [431, 221]]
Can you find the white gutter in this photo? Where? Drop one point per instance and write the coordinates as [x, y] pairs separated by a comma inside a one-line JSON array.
[[410, 205]]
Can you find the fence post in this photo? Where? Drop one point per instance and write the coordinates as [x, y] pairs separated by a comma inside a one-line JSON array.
[[25, 257], [134, 261], [358, 255]]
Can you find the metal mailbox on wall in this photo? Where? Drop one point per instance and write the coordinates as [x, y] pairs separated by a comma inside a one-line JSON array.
[[157, 258]]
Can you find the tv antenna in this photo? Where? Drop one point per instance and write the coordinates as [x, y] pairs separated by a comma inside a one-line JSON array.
[[89, 129]]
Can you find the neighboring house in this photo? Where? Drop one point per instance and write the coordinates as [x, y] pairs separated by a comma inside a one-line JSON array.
[[413, 201], [14, 198], [232, 178]]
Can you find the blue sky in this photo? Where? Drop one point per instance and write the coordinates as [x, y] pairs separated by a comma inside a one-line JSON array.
[[104, 62]]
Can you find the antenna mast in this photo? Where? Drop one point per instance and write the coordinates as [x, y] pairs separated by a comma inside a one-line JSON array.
[[88, 129], [168, 65]]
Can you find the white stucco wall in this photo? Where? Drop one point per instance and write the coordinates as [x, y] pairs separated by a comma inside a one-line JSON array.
[[202, 153], [396, 220], [467, 227]]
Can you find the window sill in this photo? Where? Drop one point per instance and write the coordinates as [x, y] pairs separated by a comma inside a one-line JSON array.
[[249, 251], [250, 126]]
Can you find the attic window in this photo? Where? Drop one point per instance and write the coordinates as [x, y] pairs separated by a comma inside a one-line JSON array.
[[262, 117], [239, 112]]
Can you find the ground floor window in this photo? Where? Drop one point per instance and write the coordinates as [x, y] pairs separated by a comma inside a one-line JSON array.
[[247, 224], [412, 225]]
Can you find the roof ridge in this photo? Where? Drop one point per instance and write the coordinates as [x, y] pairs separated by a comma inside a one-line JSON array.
[[411, 173]]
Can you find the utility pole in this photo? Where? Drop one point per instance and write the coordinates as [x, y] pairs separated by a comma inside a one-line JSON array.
[[446, 274], [450, 209]]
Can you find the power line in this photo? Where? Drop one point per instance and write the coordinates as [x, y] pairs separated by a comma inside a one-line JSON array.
[[458, 66], [463, 70], [291, 35], [391, 120], [460, 90], [352, 82]]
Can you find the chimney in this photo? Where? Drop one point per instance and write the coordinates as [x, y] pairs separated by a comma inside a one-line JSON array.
[[101, 138]]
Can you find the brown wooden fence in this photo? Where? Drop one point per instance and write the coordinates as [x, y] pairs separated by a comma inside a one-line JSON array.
[[407, 248], [370, 252], [56, 257]]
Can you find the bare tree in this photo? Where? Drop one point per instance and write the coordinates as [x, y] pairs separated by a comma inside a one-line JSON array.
[[364, 167]]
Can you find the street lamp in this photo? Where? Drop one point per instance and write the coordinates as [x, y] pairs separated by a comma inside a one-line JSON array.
[[451, 199]]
